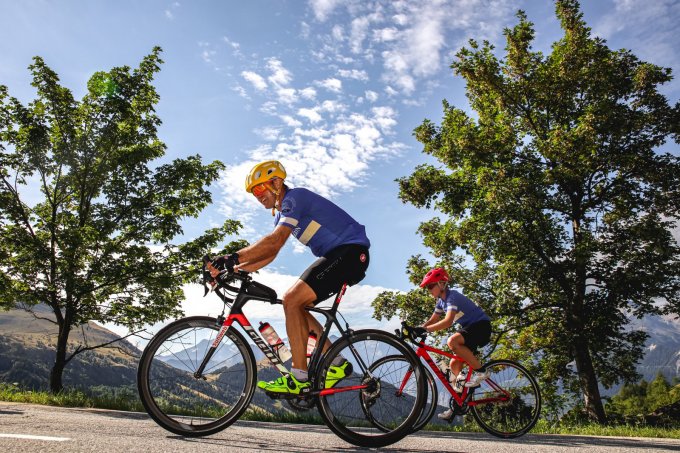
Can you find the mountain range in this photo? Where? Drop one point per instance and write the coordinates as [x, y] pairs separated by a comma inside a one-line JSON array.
[[27, 351]]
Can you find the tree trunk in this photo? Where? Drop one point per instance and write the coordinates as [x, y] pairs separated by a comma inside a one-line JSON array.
[[57, 371], [588, 380]]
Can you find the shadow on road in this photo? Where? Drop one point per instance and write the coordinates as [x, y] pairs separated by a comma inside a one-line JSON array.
[[270, 442], [561, 441]]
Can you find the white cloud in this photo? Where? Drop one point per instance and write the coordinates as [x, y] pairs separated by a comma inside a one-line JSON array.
[[331, 156], [647, 27], [359, 31], [269, 133], [286, 95], [332, 106], [385, 34], [280, 76], [255, 79], [308, 93], [323, 8], [290, 121], [355, 74], [338, 33], [208, 55], [371, 95], [331, 84], [236, 47], [311, 114], [241, 91], [169, 12], [412, 40]]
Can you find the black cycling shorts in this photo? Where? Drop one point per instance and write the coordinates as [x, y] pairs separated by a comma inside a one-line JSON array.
[[344, 264], [477, 335]]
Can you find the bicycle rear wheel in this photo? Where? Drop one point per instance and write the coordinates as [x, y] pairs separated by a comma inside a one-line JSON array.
[[397, 367], [508, 403], [182, 403], [364, 408]]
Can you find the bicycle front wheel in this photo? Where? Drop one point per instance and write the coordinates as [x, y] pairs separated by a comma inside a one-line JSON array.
[[399, 369], [508, 402], [365, 408], [183, 403]]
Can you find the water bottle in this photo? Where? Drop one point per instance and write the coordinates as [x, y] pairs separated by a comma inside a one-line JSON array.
[[275, 341], [311, 344]]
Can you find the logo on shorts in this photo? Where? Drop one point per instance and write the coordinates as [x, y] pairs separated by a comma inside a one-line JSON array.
[[362, 258]]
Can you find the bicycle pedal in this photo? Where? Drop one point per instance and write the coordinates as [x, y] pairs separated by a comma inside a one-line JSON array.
[[287, 396], [279, 396]]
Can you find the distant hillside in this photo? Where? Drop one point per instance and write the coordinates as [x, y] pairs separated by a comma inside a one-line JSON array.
[[27, 353], [27, 349], [662, 348]]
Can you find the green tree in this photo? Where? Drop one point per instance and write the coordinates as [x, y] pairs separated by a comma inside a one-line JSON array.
[[98, 242], [556, 203], [644, 398]]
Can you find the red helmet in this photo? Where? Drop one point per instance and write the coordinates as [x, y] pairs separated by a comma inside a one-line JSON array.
[[438, 274]]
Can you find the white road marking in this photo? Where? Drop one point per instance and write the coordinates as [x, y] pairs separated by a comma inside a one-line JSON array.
[[28, 436]]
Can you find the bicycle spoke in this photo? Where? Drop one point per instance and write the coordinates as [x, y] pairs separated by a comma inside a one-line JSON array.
[[378, 412], [508, 403], [178, 400]]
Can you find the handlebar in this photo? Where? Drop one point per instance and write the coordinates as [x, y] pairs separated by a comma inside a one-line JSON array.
[[407, 332], [224, 277]]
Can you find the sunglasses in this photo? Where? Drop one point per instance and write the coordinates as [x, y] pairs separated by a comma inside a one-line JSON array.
[[431, 285], [260, 189]]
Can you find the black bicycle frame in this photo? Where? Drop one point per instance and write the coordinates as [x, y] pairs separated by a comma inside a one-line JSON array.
[[251, 290]]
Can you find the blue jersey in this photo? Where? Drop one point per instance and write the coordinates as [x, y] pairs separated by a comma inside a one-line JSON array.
[[468, 312], [318, 223]]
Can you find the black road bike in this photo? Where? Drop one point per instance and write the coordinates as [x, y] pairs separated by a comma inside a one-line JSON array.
[[198, 375]]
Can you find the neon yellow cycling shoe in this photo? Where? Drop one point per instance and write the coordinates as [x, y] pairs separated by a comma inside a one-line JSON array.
[[336, 374], [285, 385]]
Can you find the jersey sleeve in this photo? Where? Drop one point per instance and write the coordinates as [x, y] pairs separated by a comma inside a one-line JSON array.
[[291, 211]]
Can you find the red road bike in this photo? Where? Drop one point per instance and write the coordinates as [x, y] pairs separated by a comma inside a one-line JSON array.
[[507, 404]]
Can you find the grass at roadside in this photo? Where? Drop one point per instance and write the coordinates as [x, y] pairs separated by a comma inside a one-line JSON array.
[[76, 398]]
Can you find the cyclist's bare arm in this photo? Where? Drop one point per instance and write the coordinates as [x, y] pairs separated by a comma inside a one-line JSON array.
[[433, 319], [440, 324], [264, 251]]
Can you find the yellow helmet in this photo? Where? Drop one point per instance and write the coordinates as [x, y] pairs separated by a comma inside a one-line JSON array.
[[263, 172]]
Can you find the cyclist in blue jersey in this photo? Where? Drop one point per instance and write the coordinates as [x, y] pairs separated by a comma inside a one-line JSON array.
[[339, 242], [474, 331]]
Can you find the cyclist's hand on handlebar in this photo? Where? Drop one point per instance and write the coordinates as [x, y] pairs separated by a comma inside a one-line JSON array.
[[414, 333], [224, 263], [419, 331]]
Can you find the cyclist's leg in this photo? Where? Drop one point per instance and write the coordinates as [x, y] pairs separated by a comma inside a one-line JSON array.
[[295, 300], [457, 344], [325, 277]]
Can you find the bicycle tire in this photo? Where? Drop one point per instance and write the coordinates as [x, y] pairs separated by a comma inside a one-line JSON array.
[[430, 405], [344, 413], [178, 401], [516, 416]]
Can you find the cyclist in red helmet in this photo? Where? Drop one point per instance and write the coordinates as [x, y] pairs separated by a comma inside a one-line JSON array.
[[474, 331]]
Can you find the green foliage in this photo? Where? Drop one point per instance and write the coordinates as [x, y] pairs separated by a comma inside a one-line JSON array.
[[555, 206], [644, 397], [102, 240]]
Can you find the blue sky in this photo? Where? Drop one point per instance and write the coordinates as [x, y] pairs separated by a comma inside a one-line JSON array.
[[331, 88]]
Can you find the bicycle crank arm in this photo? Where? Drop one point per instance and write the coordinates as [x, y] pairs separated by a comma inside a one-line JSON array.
[[316, 393]]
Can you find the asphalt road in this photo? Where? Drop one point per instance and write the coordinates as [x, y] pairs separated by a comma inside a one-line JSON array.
[[33, 428]]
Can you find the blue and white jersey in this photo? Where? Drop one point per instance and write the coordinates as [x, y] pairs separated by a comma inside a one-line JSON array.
[[468, 312], [319, 223]]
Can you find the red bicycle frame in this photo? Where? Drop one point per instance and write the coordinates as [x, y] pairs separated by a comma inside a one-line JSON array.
[[423, 350]]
